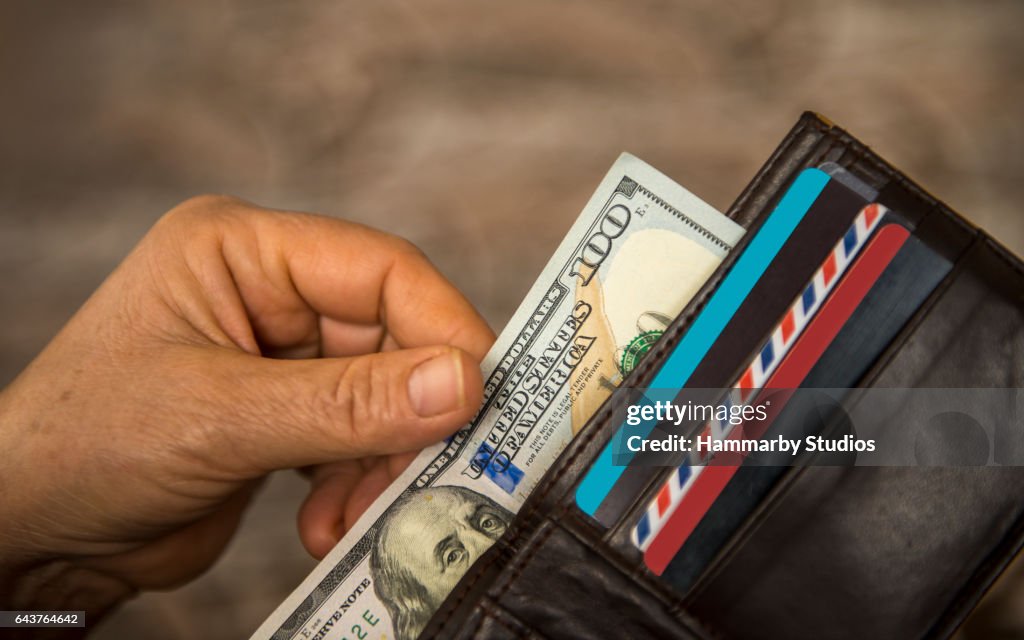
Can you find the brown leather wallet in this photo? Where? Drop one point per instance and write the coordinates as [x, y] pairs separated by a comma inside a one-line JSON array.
[[879, 552]]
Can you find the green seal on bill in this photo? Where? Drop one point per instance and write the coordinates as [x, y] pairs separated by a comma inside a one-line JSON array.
[[637, 349]]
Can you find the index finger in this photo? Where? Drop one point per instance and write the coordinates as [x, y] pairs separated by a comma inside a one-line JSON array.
[[362, 286]]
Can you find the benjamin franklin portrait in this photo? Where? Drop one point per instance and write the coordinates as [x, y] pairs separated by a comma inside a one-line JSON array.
[[428, 540]]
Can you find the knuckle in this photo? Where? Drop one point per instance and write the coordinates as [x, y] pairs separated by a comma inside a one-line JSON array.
[[199, 206], [365, 402], [405, 248], [202, 209], [208, 201], [417, 272]]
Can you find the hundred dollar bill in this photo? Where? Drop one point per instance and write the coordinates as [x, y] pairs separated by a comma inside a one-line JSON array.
[[638, 252]]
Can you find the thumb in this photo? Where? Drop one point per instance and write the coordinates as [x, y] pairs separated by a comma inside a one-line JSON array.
[[281, 414]]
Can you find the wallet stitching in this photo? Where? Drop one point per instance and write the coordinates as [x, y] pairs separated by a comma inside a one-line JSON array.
[[518, 566], [480, 621], [639, 575], [773, 162], [493, 611], [1003, 254]]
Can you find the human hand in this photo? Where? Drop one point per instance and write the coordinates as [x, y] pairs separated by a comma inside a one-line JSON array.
[[133, 442]]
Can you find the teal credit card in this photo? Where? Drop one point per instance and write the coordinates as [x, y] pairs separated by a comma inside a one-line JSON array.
[[694, 345]]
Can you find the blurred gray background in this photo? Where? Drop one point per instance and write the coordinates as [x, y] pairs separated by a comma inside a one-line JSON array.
[[475, 129]]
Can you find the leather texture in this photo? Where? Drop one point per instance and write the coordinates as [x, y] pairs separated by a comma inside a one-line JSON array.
[[832, 551]]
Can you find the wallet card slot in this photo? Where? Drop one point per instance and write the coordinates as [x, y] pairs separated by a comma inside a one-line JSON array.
[[893, 347], [855, 340], [943, 233], [716, 504], [766, 317]]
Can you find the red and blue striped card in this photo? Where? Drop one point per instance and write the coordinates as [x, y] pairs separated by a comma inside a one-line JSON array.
[[673, 493]]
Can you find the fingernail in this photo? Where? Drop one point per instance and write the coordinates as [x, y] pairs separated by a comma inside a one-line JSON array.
[[436, 386]]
